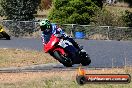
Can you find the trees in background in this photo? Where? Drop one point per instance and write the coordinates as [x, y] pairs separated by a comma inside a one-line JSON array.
[[20, 9], [65, 11], [73, 11], [128, 1], [106, 18], [127, 17], [99, 3], [45, 4]]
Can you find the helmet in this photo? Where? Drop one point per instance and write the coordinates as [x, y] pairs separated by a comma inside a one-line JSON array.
[[45, 24]]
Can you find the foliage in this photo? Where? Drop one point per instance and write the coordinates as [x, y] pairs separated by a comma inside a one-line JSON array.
[[103, 17], [98, 2], [127, 17], [72, 11], [45, 4], [1, 10], [19, 9], [106, 18], [128, 1]]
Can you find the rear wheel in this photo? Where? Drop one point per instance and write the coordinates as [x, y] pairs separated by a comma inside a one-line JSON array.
[[63, 59]]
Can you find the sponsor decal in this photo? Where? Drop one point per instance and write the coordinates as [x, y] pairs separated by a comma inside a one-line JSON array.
[[83, 78]]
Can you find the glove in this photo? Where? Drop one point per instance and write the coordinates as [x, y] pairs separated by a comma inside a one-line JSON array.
[[65, 38]]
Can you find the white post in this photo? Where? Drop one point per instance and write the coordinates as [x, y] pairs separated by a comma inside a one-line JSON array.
[[125, 63], [108, 33], [112, 63], [71, 30]]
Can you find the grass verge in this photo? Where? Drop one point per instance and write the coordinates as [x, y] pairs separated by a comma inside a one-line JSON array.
[[57, 79], [19, 58], [49, 79]]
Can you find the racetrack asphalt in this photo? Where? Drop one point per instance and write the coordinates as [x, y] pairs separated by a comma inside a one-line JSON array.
[[103, 53]]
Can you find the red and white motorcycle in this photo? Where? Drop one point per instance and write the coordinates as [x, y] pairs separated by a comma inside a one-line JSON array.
[[64, 51]]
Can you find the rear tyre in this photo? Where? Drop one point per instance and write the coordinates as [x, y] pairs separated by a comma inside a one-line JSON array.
[[63, 59], [5, 35]]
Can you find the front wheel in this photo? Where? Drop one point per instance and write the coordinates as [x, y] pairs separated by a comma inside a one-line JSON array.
[[85, 59], [63, 59]]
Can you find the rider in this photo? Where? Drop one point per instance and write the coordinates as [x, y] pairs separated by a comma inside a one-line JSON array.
[[48, 29]]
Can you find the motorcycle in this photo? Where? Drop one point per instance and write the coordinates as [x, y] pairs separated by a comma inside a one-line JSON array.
[[3, 34], [64, 51]]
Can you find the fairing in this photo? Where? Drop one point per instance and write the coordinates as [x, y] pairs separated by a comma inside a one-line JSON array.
[[51, 43]]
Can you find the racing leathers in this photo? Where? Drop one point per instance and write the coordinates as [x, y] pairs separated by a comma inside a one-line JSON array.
[[46, 34]]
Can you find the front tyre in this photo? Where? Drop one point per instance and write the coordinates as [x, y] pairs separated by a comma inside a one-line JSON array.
[[63, 59], [85, 59]]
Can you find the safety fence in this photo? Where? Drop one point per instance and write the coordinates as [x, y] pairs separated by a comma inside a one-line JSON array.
[[19, 28], [99, 32], [24, 28]]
